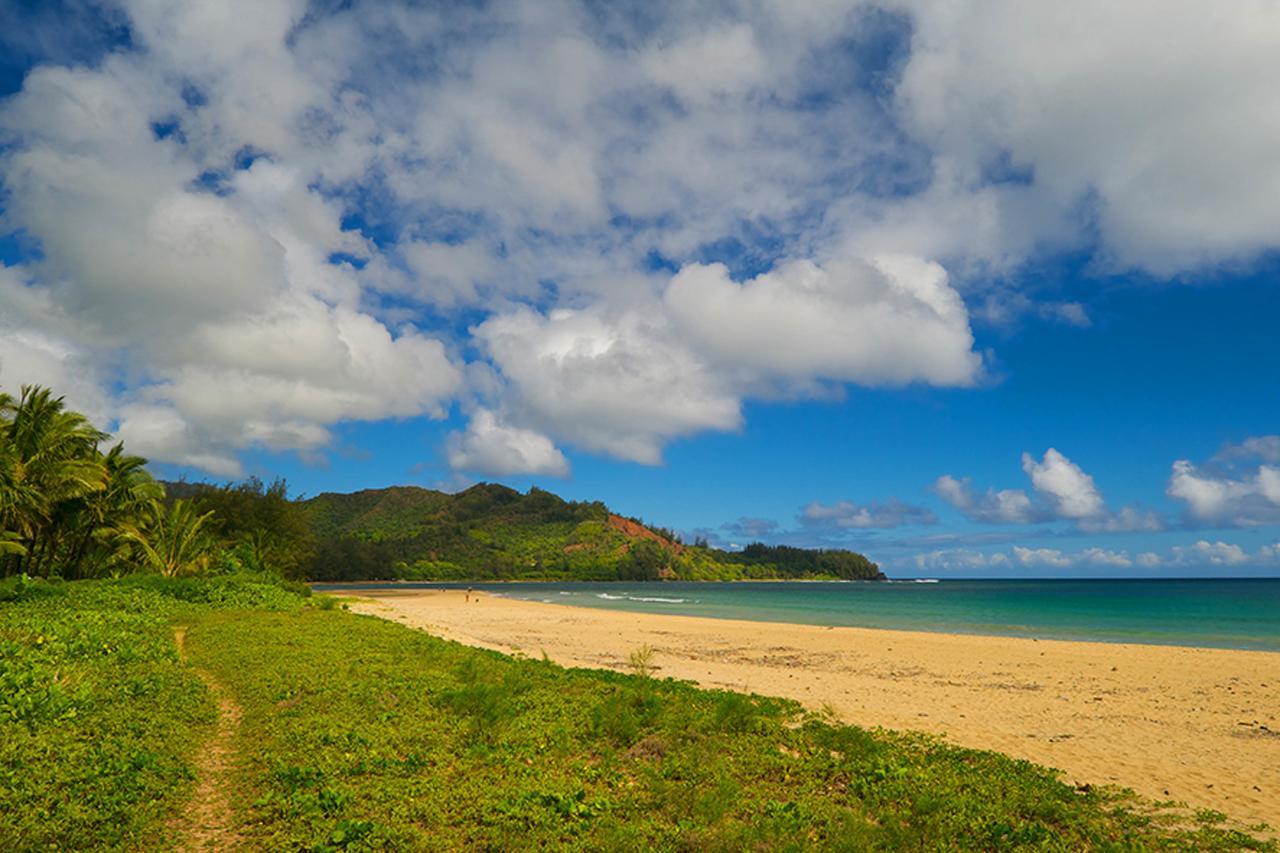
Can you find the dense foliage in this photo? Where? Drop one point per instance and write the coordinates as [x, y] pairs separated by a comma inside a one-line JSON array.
[[66, 507], [846, 565], [491, 532], [71, 509], [260, 527], [361, 734]]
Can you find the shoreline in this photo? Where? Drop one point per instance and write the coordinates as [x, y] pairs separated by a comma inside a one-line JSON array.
[[1184, 723], [1039, 634]]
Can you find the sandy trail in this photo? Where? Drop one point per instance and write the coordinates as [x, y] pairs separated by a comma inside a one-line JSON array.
[[208, 821], [1200, 726]]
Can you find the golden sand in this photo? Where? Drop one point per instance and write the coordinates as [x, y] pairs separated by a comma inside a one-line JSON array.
[[1201, 726]]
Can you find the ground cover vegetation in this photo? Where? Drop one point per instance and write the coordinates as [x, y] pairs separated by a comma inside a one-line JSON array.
[[358, 734]]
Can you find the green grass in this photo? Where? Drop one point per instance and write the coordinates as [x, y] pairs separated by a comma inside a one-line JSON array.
[[98, 717], [361, 734]]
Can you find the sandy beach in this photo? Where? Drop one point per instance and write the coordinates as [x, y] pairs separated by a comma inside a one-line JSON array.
[[1195, 725]]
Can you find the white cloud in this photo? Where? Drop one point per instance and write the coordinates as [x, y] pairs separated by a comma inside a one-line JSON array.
[[1111, 108], [35, 349], [159, 430], [627, 381], [1070, 313], [519, 167], [890, 321], [1103, 557], [446, 274], [960, 558], [1202, 553], [617, 384], [1263, 447], [491, 447], [220, 306], [1063, 491], [849, 515], [1035, 557], [1007, 506], [1247, 499], [1069, 490], [1214, 553], [702, 66]]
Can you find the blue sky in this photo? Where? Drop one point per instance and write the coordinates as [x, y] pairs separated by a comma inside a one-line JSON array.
[[934, 283]]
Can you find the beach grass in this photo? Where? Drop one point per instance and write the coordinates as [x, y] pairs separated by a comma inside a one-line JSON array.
[[358, 733]]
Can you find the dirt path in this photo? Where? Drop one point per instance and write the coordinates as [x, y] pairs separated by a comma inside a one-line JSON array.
[[208, 821]]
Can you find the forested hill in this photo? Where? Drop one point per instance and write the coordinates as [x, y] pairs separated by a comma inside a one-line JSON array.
[[71, 509], [491, 532]]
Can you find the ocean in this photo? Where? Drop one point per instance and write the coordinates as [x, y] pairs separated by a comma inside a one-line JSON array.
[[1222, 613]]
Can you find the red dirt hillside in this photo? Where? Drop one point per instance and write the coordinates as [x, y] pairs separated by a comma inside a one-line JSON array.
[[632, 530]]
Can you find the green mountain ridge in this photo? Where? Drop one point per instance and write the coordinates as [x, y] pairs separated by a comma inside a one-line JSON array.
[[493, 532], [485, 533]]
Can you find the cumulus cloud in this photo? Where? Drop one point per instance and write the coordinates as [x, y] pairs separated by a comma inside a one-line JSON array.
[[304, 208], [189, 198], [627, 381], [718, 62], [1049, 557], [491, 447], [1011, 506], [1263, 447], [1062, 491], [890, 321], [1213, 553], [1046, 113], [37, 349], [1230, 490], [1103, 557], [1068, 489], [207, 281], [159, 430], [1200, 554], [613, 383], [959, 558], [847, 515]]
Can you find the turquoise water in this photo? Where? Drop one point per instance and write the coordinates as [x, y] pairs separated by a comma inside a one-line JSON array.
[[1237, 613]]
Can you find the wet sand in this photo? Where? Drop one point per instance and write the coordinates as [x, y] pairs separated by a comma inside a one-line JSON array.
[[1200, 726]]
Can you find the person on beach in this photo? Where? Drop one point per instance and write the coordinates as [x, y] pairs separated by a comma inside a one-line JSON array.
[[468, 595]]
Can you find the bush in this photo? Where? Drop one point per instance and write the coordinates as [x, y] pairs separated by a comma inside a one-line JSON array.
[[24, 588]]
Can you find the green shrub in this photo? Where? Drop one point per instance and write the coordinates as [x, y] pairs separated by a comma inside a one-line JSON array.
[[24, 588]]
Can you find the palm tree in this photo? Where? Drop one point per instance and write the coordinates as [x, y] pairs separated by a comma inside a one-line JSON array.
[[48, 456], [174, 542], [9, 543], [99, 519]]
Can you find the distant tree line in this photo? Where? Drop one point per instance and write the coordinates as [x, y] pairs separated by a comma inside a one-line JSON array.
[[791, 561], [73, 507]]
